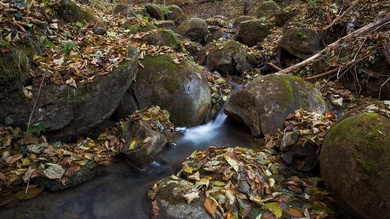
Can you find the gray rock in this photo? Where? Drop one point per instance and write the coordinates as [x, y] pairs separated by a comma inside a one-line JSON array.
[[252, 31], [71, 12], [172, 204], [175, 14], [67, 111], [194, 29], [155, 11], [264, 103], [124, 10], [143, 144], [180, 88], [267, 9], [301, 42], [354, 163], [168, 25], [228, 57], [163, 38], [242, 18]]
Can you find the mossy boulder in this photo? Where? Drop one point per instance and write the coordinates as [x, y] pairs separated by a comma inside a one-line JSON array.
[[143, 144], [301, 42], [136, 25], [124, 10], [355, 165], [175, 14], [168, 197], [69, 11], [163, 38], [167, 25], [155, 11], [267, 9], [194, 29], [66, 111], [252, 31], [242, 18], [264, 103], [228, 57], [178, 86]]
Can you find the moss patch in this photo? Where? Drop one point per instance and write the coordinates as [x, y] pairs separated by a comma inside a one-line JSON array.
[[369, 138]]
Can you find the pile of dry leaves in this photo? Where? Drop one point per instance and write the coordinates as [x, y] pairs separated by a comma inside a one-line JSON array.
[[245, 183]]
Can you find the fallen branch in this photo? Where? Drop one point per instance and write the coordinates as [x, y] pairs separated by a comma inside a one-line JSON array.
[[367, 28]]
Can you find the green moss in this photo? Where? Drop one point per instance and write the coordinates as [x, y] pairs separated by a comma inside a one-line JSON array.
[[14, 65], [369, 139]]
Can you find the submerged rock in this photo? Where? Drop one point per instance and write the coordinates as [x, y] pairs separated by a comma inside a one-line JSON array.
[[354, 162], [264, 103]]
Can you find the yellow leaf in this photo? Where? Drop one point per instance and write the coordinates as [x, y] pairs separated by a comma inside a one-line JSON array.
[[133, 143], [210, 206], [31, 193], [275, 208], [232, 162]]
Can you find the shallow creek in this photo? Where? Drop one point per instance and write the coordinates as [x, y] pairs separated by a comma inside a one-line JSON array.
[[120, 191]]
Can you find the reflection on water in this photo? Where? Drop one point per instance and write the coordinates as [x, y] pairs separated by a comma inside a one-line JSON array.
[[121, 190]]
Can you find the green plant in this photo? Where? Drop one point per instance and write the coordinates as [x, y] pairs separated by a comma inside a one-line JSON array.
[[37, 128]]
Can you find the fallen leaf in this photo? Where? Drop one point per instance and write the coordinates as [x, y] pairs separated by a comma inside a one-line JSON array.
[[13, 159], [274, 208], [31, 193], [54, 171], [293, 212], [191, 197], [210, 206]]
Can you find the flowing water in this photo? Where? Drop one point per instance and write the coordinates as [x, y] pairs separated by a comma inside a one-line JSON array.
[[121, 190]]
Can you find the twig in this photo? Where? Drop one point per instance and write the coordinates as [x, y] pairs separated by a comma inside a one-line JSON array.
[[36, 100], [274, 66], [342, 15], [322, 74]]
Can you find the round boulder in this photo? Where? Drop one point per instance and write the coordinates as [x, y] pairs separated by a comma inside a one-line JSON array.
[[194, 29], [228, 57], [177, 85], [264, 103], [301, 42], [355, 165], [252, 31]]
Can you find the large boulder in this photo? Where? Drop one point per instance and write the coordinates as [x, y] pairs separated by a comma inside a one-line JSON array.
[[267, 9], [194, 29], [163, 38], [252, 31], [175, 14], [355, 165], [155, 11], [143, 144], [301, 42], [66, 111], [264, 103], [177, 85], [69, 11], [228, 57]]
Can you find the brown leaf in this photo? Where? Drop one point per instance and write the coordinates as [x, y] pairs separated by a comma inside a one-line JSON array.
[[13, 159], [210, 206], [293, 212], [31, 193]]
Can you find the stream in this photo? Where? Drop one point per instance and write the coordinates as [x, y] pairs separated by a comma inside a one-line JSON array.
[[120, 191]]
